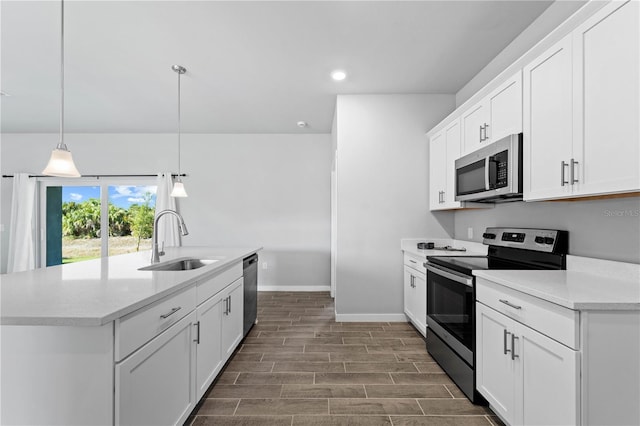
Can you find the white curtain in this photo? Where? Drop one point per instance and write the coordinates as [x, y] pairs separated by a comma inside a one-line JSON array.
[[22, 253], [168, 230]]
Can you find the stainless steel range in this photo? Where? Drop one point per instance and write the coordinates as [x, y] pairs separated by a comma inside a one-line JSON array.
[[451, 293]]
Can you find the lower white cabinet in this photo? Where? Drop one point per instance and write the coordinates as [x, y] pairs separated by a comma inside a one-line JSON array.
[[527, 377], [219, 331], [415, 293], [156, 384], [209, 359], [232, 318]]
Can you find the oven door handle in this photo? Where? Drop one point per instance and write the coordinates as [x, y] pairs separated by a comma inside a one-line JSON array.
[[459, 278]]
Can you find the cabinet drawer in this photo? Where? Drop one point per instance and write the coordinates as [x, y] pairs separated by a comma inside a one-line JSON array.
[[555, 321], [415, 263], [213, 285], [137, 328]]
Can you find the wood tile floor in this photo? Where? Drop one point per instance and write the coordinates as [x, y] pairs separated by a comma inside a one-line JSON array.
[[298, 366]]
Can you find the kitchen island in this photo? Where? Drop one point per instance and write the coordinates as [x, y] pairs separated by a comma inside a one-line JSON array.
[[102, 342]]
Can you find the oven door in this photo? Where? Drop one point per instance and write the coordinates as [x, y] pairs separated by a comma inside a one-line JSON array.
[[451, 309]]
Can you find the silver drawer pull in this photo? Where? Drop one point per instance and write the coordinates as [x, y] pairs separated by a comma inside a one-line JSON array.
[[506, 351], [171, 312], [412, 261], [506, 302]]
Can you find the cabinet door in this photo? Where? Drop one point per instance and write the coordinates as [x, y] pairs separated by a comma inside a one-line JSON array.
[[607, 87], [420, 300], [505, 109], [155, 385], [209, 352], [452, 138], [437, 170], [495, 371], [549, 377], [232, 319], [547, 123], [472, 134], [408, 293]]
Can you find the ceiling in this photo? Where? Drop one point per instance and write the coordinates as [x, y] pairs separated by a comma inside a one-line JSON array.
[[252, 66]]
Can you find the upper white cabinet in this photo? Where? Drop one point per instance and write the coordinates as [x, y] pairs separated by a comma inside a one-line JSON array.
[[581, 109], [444, 150], [497, 115], [607, 92]]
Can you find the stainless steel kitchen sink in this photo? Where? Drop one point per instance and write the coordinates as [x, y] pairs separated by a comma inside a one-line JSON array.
[[179, 265]]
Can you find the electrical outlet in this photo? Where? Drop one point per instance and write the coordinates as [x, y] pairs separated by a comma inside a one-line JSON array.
[[265, 265], [470, 233]]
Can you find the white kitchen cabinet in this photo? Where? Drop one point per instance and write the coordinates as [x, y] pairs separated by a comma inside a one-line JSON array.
[[415, 293], [527, 377], [497, 115], [548, 112], [581, 109], [209, 347], [232, 318], [156, 384], [607, 95], [444, 150], [219, 327]]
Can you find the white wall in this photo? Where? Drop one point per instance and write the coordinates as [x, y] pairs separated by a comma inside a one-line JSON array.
[[244, 190], [382, 196]]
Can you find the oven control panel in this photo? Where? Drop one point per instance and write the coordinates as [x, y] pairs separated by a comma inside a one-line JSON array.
[[544, 240]]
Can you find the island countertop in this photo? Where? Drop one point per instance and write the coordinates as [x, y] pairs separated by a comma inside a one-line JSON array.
[[95, 292]]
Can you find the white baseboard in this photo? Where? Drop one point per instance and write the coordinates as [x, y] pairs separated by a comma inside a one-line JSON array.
[[371, 318], [294, 288]]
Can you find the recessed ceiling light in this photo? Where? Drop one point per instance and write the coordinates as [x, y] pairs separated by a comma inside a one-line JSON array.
[[338, 75], [302, 124]]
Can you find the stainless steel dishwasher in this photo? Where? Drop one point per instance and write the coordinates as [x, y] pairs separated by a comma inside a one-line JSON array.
[[250, 275]]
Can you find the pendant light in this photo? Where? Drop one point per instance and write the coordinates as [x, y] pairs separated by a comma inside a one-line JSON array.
[[61, 162], [178, 186]]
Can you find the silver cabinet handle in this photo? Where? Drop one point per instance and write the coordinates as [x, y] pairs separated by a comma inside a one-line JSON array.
[[197, 339], [572, 166], [171, 312], [506, 351], [229, 303], [562, 166], [481, 134], [513, 347], [486, 136], [412, 261], [506, 302], [226, 306]]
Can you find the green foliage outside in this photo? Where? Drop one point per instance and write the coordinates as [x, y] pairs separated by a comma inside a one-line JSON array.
[[82, 220]]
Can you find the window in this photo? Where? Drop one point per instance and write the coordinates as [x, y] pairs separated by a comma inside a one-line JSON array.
[[76, 213]]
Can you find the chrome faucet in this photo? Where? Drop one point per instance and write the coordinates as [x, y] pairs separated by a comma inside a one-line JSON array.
[[155, 254]]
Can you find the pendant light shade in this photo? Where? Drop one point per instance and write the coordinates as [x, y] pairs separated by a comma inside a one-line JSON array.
[[61, 162], [178, 186], [178, 190]]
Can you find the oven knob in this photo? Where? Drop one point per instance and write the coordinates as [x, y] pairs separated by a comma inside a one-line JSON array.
[[548, 240], [539, 240], [489, 236]]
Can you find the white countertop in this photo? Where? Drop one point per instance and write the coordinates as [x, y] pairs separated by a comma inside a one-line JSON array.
[[410, 246], [575, 290], [96, 292]]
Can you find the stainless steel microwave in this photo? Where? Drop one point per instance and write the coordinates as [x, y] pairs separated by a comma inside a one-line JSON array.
[[492, 174]]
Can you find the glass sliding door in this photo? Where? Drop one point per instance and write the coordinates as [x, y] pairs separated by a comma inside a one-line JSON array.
[[96, 219]]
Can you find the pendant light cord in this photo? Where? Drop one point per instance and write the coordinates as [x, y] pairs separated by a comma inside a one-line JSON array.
[[179, 130], [61, 144]]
